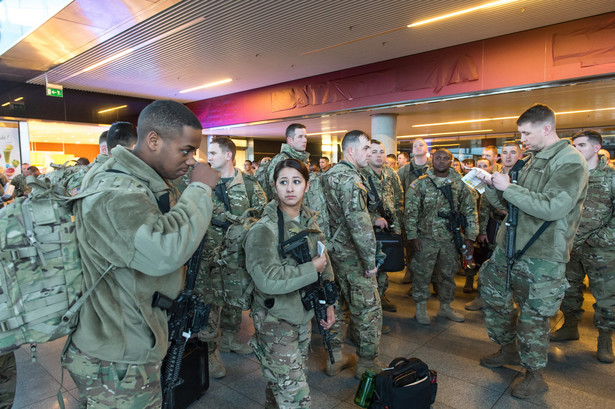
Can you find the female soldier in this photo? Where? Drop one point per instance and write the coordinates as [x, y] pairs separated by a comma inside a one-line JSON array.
[[281, 323]]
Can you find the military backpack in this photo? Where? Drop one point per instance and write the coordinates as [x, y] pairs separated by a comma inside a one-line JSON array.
[[316, 201], [262, 177]]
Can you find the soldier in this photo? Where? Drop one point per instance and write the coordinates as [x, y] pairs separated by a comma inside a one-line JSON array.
[[324, 164], [594, 250], [352, 249], [491, 154], [384, 186], [296, 142], [430, 199], [392, 161], [8, 380], [402, 159], [19, 181], [134, 224], [551, 187], [235, 192]]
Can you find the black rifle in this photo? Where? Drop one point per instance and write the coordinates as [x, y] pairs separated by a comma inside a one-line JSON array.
[[511, 225], [188, 314], [221, 193], [455, 220]]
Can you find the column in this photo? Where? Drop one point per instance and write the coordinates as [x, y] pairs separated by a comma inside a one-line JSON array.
[[384, 129]]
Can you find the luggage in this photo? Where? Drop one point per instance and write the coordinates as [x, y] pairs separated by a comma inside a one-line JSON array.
[[405, 384], [195, 375], [393, 247]]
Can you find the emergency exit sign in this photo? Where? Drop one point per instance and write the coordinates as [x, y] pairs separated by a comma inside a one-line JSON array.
[[54, 90]]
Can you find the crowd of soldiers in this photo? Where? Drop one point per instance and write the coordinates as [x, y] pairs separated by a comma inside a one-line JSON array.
[[448, 228]]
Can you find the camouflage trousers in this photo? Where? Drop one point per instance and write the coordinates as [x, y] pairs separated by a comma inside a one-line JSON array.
[[281, 348], [8, 380], [441, 257], [383, 282], [364, 308], [537, 286], [224, 318], [104, 384], [599, 265]]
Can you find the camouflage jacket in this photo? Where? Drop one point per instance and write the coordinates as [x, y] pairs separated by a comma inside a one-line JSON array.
[[424, 201], [551, 186], [351, 227], [597, 226], [411, 172], [285, 153], [122, 225], [21, 187], [388, 189], [277, 278]]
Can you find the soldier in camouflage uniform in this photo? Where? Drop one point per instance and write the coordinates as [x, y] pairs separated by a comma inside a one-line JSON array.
[[8, 380], [551, 187], [428, 232], [19, 181], [384, 189], [352, 249], [594, 250], [241, 192]]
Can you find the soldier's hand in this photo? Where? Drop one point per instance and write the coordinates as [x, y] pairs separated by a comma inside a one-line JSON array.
[[371, 273], [381, 223], [416, 244], [330, 318], [204, 173], [320, 262], [500, 181], [482, 238]]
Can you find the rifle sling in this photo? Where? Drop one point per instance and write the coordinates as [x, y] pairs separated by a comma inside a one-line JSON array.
[[283, 243], [375, 193], [542, 228]]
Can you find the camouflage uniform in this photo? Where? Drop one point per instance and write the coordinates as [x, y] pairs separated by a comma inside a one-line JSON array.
[[8, 380], [551, 186], [281, 323], [423, 202], [594, 250], [21, 187], [286, 152], [352, 249], [244, 193]]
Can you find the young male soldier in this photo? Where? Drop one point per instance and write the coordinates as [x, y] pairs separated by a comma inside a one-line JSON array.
[[324, 164], [134, 223], [241, 192], [352, 250], [491, 154], [551, 187], [384, 187], [402, 159], [593, 252], [428, 203], [296, 141]]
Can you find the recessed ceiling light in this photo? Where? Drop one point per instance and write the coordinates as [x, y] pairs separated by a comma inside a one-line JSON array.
[[112, 109], [211, 84], [460, 12]]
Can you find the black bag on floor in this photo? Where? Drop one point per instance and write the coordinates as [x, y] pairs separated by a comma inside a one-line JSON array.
[[194, 372], [405, 384], [393, 247]]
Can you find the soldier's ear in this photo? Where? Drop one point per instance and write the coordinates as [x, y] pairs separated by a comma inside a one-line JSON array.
[[152, 140], [307, 187]]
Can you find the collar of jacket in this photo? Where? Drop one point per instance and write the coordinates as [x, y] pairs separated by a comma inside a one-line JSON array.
[[126, 161], [452, 175], [306, 216], [302, 156], [550, 151], [371, 172], [236, 180]]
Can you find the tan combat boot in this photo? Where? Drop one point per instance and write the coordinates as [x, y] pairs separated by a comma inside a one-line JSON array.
[[216, 367], [446, 311], [421, 313], [568, 331], [368, 363], [468, 288], [531, 385], [230, 343], [342, 361], [475, 305], [507, 355], [387, 305], [605, 347]]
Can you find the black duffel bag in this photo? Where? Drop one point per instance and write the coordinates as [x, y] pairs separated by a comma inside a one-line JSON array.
[[393, 247], [405, 384]]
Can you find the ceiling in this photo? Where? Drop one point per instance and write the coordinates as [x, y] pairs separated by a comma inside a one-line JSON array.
[[172, 45]]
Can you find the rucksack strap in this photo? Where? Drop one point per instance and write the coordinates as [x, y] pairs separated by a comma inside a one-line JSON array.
[[283, 243]]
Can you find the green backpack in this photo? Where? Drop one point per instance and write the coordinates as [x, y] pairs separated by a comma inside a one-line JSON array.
[[315, 200], [69, 177]]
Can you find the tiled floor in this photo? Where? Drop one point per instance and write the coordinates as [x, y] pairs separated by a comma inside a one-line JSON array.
[[576, 379]]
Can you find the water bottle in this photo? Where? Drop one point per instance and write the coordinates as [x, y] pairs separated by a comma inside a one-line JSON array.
[[468, 259], [366, 389]]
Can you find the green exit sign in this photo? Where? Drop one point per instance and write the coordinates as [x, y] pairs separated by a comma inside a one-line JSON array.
[[54, 90]]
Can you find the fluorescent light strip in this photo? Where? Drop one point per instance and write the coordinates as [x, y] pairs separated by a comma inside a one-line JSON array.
[[6, 103], [445, 133], [112, 109], [18, 99], [326, 132], [458, 13], [211, 84], [135, 48]]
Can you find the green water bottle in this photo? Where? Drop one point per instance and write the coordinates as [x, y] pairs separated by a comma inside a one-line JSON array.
[[366, 389]]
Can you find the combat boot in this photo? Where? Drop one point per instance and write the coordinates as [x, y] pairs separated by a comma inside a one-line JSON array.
[[568, 331], [216, 367], [421, 313], [475, 305], [230, 343], [446, 311], [532, 385], [368, 363], [407, 279], [387, 305], [469, 285], [507, 355], [605, 347], [342, 361]]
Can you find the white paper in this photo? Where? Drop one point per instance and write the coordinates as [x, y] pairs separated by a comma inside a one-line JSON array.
[[472, 179], [321, 248]]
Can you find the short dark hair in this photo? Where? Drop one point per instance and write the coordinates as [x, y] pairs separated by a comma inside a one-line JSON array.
[[167, 118], [290, 130], [352, 138], [83, 161], [537, 113], [392, 156], [248, 160], [33, 169], [325, 158], [512, 143], [469, 161], [483, 159], [592, 135], [377, 141], [226, 144], [291, 163], [405, 154], [448, 153], [121, 133], [102, 138]]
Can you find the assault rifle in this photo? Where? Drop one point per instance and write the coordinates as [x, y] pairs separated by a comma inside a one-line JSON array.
[[455, 220], [188, 314]]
